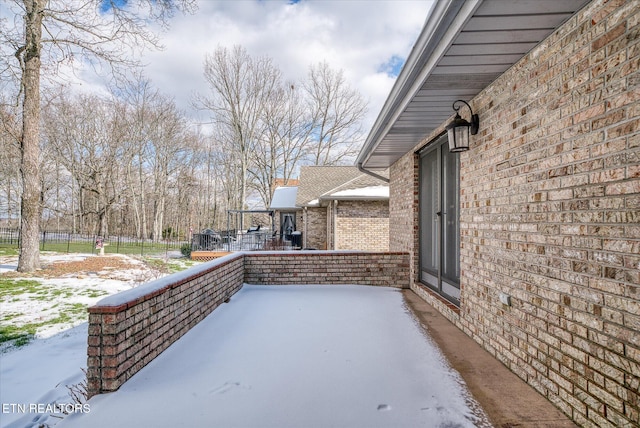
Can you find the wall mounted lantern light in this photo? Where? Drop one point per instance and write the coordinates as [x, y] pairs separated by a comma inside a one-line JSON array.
[[459, 130]]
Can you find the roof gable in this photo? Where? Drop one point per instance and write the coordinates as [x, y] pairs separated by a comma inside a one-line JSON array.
[[321, 182]]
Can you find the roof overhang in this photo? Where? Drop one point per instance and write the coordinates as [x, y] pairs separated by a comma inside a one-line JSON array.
[[284, 199], [463, 47]]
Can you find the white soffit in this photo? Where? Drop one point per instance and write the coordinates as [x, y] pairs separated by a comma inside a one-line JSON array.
[[463, 47]]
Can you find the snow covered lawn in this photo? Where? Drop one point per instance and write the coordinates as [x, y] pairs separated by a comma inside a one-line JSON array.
[[50, 304], [295, 356], [55, 298], [38, 374]]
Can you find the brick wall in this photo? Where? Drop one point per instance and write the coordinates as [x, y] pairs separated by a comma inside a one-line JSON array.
[[362, 225], [550, 214], [403, 209], [327, 267], [130, 329], [359, 225], [315, 228]]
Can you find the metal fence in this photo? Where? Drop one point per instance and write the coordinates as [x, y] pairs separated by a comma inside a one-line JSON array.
[[70, 242], [233, 240], [208, 240]]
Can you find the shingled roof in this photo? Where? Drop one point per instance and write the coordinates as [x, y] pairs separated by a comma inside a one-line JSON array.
[[336, 182]]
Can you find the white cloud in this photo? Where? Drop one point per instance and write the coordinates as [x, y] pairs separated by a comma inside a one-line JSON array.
[[357, 36], [365, 39]]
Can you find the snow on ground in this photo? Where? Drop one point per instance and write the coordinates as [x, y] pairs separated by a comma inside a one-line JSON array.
[[59, 299], [311, 356], [294, 356], [55, 298], [38, 374], [53, 302]]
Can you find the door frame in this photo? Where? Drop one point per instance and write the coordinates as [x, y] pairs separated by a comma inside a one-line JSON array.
[[433, 211]]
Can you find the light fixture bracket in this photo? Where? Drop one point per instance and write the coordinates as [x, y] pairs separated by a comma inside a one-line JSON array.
[[474, 125], [459, 130]]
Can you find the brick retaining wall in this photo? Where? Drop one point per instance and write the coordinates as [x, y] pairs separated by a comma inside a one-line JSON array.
[[129, 329], [328, 267]]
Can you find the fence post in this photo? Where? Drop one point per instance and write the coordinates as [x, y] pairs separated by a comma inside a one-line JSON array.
[[44, 238], [68, 241]]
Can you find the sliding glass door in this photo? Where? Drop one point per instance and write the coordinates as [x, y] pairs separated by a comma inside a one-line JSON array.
[[439, 220]]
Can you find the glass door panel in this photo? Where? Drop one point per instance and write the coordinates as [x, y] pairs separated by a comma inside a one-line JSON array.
[[450, 219], [439, 220], [429, 222]]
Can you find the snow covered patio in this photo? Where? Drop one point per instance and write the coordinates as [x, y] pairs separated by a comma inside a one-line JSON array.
[[295, 356], [340, 355]]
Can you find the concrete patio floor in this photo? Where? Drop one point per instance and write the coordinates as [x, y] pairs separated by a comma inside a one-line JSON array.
[[307, 358], [508, 401], [295, 356]]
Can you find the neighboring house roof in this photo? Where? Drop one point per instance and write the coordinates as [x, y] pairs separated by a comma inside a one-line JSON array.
[[284, 198], [463, 47], [363, 187], [318, 183]]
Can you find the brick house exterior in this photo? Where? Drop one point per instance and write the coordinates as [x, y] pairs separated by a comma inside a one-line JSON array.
[[549, 199], [343, 209], [314, 223], [362, 225]]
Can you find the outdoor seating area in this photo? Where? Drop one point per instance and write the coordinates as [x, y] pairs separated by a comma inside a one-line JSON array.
[[253, 239]]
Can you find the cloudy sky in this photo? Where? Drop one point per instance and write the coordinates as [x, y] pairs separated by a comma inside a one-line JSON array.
[[368, 40]]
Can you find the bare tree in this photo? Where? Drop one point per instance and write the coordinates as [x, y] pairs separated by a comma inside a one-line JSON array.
[[171, 148], [226, 158], [141, 99], [284, 142], [87, 134], [9, 163], [240, 87], [54, 32], [338, 111], [267, 128]]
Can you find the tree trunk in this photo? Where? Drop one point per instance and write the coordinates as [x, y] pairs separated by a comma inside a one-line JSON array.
[[158, 219], [134, 202], [143, 204], [30, 144]]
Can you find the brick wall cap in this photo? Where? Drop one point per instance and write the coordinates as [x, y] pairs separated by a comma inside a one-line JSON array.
[[323, 252], [129, 298]]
